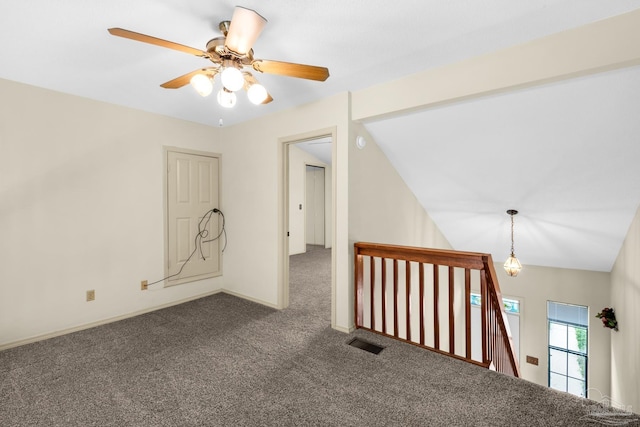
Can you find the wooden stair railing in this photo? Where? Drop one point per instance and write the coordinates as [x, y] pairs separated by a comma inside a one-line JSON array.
[[423, 297]]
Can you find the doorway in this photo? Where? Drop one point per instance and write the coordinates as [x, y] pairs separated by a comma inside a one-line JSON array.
[[309, 214]]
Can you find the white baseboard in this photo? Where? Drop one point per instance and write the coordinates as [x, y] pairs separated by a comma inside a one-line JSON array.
[[258, 301], [138, 313], [102, 322], [343, 329]]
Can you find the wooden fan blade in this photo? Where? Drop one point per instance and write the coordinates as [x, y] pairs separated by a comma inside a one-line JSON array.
[[178, 82], [156, 41], [310, 72]]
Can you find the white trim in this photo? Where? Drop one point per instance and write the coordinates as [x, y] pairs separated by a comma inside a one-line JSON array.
[[283, 282], [102, 322], [256, 300]]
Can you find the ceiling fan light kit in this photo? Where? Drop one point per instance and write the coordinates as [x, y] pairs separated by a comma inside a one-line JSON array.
[[229, 54]]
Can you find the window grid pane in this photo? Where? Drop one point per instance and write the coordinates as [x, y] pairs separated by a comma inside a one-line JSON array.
[[558, 382], [557, 335], [568, 335], [558, 361]]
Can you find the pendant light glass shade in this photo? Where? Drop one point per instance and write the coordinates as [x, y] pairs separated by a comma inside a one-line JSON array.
[[232, 78], [246, 26], [202, 84], [512, 266], [226, 98], [257, 94]]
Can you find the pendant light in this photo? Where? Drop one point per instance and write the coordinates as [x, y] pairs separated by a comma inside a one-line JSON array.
[[512, 266]]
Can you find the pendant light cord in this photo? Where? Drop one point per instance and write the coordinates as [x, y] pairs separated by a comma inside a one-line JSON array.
[[512, 235]]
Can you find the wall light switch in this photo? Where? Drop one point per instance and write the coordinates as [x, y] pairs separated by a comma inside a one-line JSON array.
[[91, 295]]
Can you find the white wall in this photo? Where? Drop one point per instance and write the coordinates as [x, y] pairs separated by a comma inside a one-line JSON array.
[[298, 159], [382, 209], [253, 169], [81, 207], [625, 300], [534, 286]]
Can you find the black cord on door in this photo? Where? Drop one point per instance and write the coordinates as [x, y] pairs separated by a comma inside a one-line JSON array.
[[200, 237]]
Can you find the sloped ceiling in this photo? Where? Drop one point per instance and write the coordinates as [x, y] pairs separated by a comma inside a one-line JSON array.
[[563, 154]]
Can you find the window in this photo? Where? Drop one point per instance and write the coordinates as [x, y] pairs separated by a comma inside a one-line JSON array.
[[568, 334], [511, 306]]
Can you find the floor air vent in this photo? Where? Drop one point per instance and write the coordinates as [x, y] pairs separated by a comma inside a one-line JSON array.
[[364, 345]]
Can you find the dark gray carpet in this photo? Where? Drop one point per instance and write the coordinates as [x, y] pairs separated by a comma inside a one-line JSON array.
[[224, 361]]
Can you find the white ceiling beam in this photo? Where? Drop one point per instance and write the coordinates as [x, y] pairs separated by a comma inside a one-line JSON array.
[[600, 46]]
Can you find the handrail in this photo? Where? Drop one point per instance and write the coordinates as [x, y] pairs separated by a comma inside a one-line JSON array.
[[386, 262]]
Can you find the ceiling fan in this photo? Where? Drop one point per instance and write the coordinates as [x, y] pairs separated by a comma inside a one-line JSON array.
[[230, 54]]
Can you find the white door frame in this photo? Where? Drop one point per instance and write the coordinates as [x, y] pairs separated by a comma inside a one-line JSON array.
[[283, 286]]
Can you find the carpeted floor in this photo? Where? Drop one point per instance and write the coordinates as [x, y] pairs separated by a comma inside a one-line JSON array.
[[224, 361]]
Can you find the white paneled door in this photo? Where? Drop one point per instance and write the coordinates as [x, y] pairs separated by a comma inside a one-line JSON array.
[[192, 192], [315, 205]]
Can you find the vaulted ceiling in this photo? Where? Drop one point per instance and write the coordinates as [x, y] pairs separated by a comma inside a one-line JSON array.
[[564, 153]]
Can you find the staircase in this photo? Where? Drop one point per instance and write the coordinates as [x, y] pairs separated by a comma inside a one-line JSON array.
[[423, 297]]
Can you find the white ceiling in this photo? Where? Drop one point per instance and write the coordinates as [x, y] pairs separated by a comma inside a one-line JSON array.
[[573, 176], [564, 155]]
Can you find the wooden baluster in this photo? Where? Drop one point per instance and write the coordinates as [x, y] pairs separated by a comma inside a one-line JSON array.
[[494, 327], [358, 301], [383, 277], [483, 314], [408, 299], [467, 311], [452, 326], [421, 300], [492, 313], [395, 297], [372, 293], [436, 315], [496, 345]]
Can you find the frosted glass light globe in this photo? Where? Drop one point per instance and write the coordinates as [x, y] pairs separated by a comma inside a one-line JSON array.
[[257, 94], [232, 79], [226, 99], [202, 84]]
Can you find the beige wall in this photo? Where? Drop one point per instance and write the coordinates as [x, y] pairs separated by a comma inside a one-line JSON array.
[[534, 286], [625, 299], [81, 207], [253, 172], [382, 209]]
